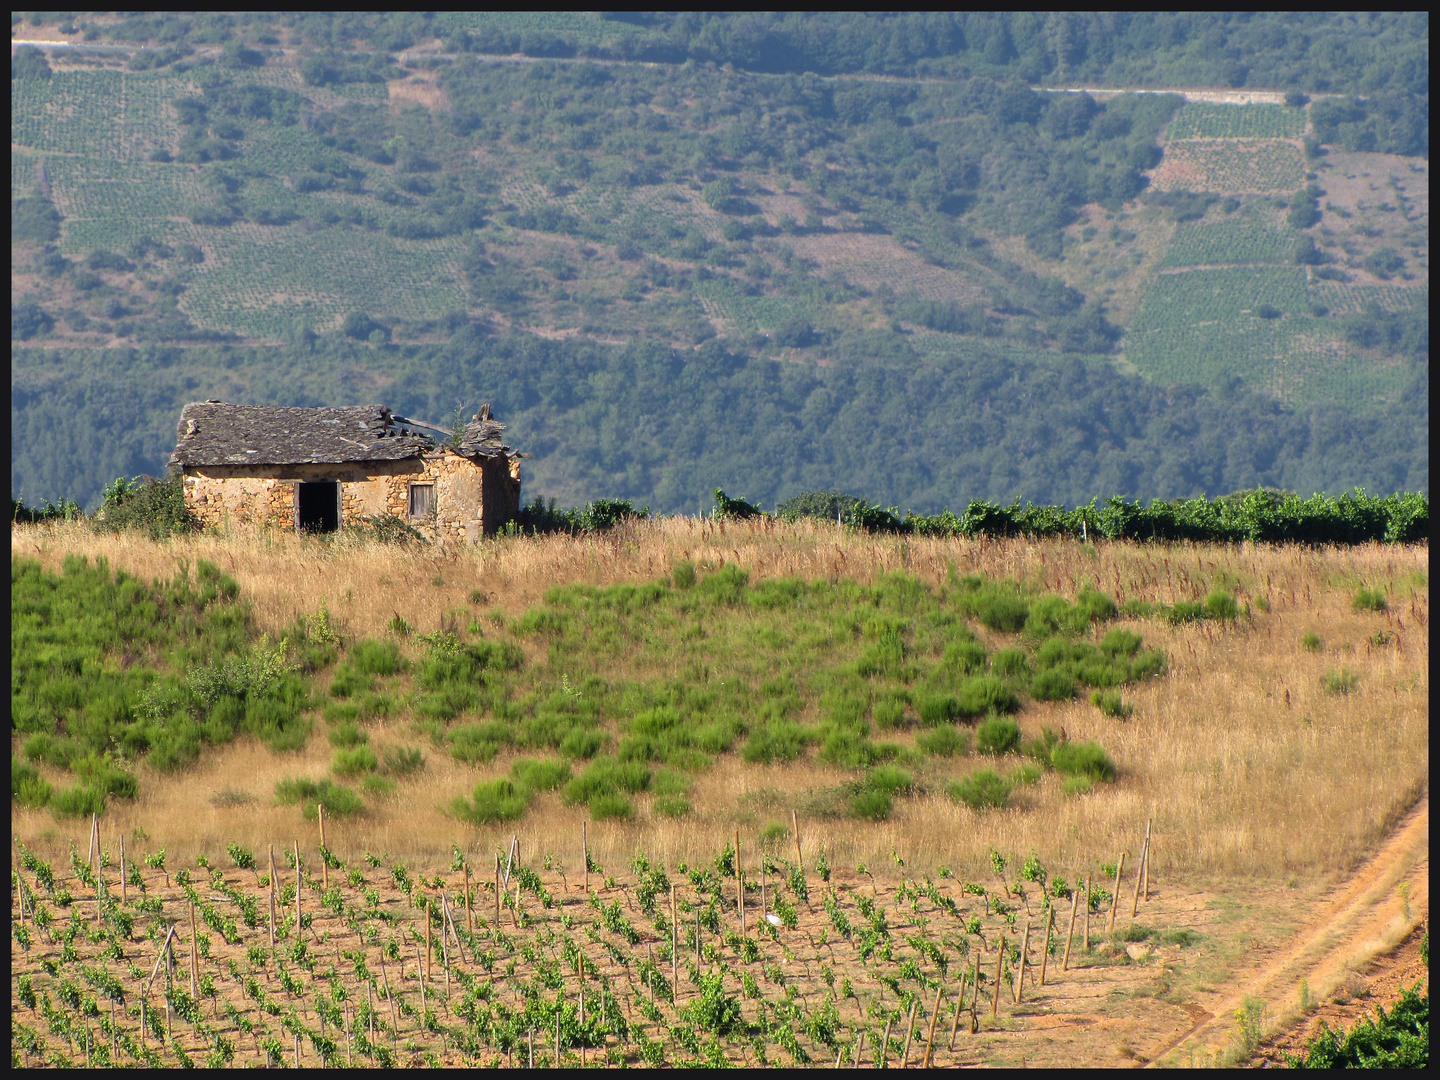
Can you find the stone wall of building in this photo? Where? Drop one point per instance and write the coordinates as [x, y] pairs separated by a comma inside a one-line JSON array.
[[466, 493]]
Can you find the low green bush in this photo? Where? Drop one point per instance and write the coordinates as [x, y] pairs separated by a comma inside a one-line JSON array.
[[1369, 600], [347, 733], [997, 735], [1011, 664], [401, 761], [936, 709], [607, 776], [339, 801], [779, 740], [1221, 605], [354, 761], [944, 741], [610, 804], [1112, 704], [1340, 681], [477, 744], [1077, 785], [983, 694], [492, 801], [1120, 642], [579, 743], [890, 779], [1052, 684], [872, 804], [1087, 759], [1398, 1039], [672, 806], [540, 775], [1027, 773], [981, 790]]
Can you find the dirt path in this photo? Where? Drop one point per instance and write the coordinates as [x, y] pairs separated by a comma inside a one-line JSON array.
[[1367, 916]]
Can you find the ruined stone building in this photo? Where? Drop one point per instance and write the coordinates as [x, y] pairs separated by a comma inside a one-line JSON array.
[[322, 470]]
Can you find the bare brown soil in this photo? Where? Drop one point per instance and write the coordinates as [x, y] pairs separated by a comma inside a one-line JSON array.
[[1366, 916]]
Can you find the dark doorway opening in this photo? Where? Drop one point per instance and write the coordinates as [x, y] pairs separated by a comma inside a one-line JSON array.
[[317, 506]]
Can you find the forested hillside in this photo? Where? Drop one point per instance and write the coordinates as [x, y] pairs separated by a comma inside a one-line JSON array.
[[682, 250]]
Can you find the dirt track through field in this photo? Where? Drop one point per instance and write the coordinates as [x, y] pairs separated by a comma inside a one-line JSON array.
[[1366, 916]]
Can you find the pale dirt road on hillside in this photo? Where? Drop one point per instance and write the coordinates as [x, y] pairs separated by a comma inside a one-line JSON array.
[[1366, 915]]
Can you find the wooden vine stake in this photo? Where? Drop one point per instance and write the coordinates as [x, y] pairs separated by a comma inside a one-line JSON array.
[[674, 947], [429, 949], [909, 1034], [194, 961], [123, 898], [94, 831], [497, 891], [1139, 872], [1020, 967], [584, 855], [1085, 936], [1145, 864], [999, 960], [1045, 955], [959, 1008], [1115, 891], [469, 922], [739, 885], [1070, 934], [324, 862], [297, 888], [930, 1038], [272, 898], [884, 1044]]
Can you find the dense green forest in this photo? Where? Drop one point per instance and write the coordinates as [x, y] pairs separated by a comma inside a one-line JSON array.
[[665, 426], [678, 250]]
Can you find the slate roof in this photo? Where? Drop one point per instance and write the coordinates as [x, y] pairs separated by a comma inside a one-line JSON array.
[[216, 433]]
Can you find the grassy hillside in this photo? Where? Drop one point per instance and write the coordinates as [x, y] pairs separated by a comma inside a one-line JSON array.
[[412, 189], [686, 677]]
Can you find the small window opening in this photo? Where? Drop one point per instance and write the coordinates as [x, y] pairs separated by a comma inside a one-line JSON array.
[[422, 500], [317, 506]]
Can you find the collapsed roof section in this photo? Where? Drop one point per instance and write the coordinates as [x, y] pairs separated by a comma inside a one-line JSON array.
[[217, 433]]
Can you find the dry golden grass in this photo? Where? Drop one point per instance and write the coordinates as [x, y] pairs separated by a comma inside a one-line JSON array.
[[1244, 763]]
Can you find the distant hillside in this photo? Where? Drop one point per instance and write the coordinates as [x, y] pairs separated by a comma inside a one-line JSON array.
[[380, 179]]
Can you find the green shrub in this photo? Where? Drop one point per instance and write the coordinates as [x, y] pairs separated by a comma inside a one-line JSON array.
[[27, 786], [378, 785], [1367, 600], [579, 743], [1052, 684], [683, 574], [1086, 759], [79, 801], [999, 606], [981, 790], [153, 505], [983, 694], [889, 711], [1340, 681], [944, 741], [540, 775], [1311, 641], [1010, 663], [997, 735], [672, 806], [605, 776], [400, 761], [477, 744], [963, 657], [372, 657], [1077, 785], [610, 804], [354, 761], [890, 779], [1221, 605], [1185, 611], [937, 709], [1119, 642], [1399, 1039], [348, 734], [779, 740], [1027, 773], [492, 801], [1111, 704], [872, 804], [1094, 606], [339, 801]]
